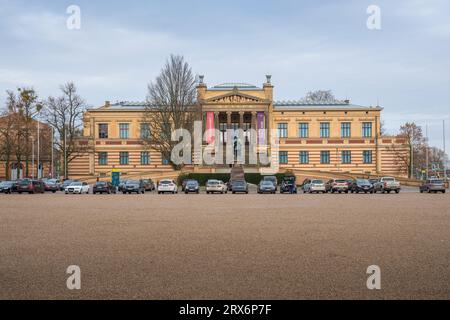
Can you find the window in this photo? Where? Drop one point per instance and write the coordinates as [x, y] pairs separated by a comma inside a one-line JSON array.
[[367, 157], [346, 157], [303, 130], [324, 129], [367, 129], [346, 129], [282, 130], [124, 130], [165, 161], [145, 131], [103, 158], [284, 157], [304, 157], [325, 157], [145, 158], [103, 131], [124, 158]]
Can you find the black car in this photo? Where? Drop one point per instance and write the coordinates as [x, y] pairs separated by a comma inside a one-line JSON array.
[[192, 186], [104, 187], [7, 187], [149, 185], [288, 185], [239, 187], [133, 187], [361, 185]]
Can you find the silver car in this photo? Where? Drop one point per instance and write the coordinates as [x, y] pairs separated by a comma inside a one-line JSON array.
[[315, 186]]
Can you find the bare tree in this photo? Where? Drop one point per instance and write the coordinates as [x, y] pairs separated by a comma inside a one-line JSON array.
[[320, 96], [64, 114], [414, 142], [171, 104], [25, 106]]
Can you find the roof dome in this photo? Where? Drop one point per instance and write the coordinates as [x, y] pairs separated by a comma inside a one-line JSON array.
[[232, 85]]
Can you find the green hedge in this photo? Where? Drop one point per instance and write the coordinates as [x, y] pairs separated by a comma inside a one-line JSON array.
[[202, 178]]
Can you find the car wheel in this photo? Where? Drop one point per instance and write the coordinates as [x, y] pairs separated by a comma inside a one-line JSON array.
[[397, 191], [443, 191]]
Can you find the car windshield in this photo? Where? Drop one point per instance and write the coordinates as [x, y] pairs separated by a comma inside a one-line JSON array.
[[267, 183], [341, 181], [388, 179], [192, 184], [24, 182], [213, 182], [101, 184], [6, 183], [165, 182], [362, 181], [76, 184], [132, 182], [239, 183], [437, 181], [317, 182]]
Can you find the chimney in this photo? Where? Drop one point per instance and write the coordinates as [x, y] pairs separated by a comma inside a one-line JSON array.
[[107, 104]]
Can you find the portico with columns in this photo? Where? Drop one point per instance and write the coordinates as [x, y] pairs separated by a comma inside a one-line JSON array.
[[234, 106]]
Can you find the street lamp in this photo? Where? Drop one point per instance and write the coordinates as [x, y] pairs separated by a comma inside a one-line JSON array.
[[39, 107]]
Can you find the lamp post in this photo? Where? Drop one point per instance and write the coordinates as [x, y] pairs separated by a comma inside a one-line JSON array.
[[32, 157]]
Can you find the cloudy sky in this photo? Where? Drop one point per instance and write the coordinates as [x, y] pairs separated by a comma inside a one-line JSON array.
[[305, 45]]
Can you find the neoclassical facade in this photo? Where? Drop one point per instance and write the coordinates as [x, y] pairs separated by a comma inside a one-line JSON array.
[[328, 136]]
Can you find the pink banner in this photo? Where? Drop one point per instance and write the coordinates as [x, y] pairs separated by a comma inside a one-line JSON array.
[[261, 120], [210, 135]]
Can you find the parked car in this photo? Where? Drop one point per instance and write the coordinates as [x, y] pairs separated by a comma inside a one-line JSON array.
[[7, 187], [52, 185], [149, 185], [240, 187], [30, 186], [184, 183], [387, 184], [77, 187], [361, 185], [167, 186], [433, 186], [305, 185], [103, 187], [65, 184], [288, 185], [272, 179], [192, 186], [121, 185], [133, 186], [266, 186], [216, 186], [337, 185], [315, 186]]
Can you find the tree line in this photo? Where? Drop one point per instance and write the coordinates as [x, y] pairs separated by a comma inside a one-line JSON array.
[[61, 118]]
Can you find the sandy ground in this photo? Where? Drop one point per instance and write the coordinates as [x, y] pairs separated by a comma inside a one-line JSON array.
[[225, 247]]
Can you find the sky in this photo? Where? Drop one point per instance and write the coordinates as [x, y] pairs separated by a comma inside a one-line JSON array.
[[305, 45]]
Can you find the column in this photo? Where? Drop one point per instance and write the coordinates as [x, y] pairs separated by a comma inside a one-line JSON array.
[[241, 119], [229, 119]]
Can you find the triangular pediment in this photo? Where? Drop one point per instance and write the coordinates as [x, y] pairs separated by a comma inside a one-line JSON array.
[[235, 97]]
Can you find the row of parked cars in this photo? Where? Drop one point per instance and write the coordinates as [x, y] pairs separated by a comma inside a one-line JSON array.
[[268, 184], [383, 185]]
